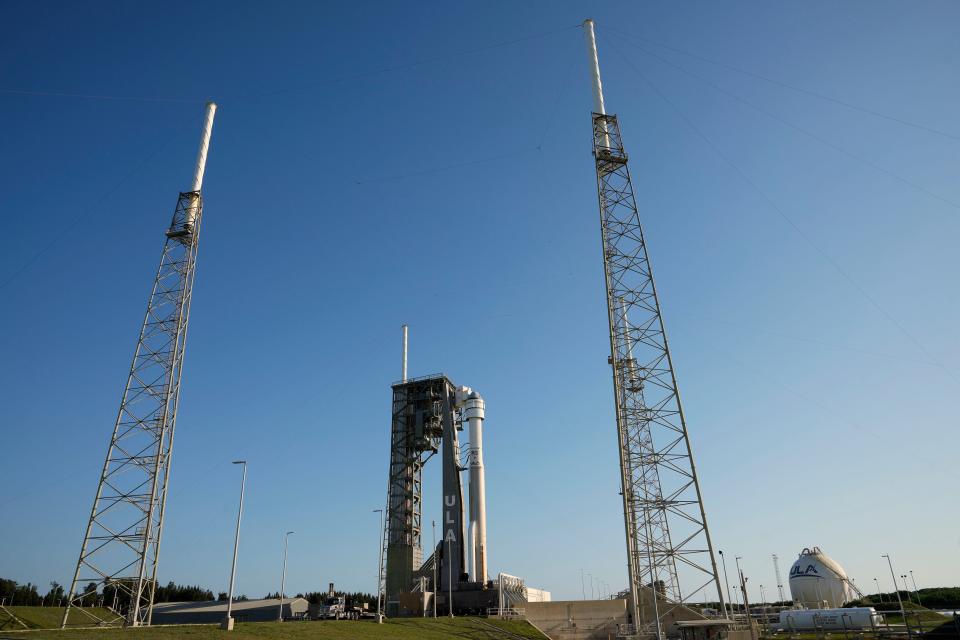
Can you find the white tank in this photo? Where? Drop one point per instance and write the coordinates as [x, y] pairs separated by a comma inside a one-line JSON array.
[[818, 582], [830, 619]]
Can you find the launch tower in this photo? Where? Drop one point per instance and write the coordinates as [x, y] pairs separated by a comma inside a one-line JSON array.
[[121, 546], [668, 541]]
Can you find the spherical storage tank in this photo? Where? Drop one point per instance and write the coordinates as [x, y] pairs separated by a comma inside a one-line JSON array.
[[818, 582]]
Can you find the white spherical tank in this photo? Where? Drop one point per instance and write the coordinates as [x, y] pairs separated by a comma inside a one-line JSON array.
[[818, 582]]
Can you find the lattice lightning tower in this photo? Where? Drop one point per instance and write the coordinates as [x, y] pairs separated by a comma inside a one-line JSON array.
[[121, 547], [668, 542]]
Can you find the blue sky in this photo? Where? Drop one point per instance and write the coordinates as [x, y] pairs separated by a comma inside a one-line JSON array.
[[429, 163]]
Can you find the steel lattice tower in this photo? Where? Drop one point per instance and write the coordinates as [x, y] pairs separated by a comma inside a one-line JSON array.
[[668, 541], [121, 547]]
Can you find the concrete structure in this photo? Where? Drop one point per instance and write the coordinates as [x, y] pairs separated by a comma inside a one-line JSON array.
[[602, 619], [213, 612], [578, 619]]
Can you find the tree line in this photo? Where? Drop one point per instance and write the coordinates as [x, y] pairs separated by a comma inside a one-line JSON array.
[[116, 595], [932, 598]]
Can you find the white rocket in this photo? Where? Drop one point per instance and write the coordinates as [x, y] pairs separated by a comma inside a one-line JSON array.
[[473, 413]]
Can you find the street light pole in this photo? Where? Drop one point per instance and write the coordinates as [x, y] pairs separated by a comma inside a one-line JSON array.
[[227, 624], [726, 581], [380, 568], [737, 560], [433, 526], [914, 581], [906, 587], [896, 588], [450, 578], [283, 576], [879, 592]]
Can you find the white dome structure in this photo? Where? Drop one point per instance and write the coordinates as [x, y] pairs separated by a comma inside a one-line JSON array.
[[818, 582]]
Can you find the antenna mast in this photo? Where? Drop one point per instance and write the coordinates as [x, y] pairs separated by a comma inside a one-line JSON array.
[[121, 546], [665, 523]]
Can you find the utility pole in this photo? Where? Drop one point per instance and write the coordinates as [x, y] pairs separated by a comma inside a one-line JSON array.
[[125, 526], [652, 439]]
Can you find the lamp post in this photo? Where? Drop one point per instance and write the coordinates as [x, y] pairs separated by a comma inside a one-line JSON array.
[[736, 560], [879, 592], [906, 587], [726, 581], [227, 624], [914, 581], [896, 588], [450, 578], [379, 568], [283, 576]]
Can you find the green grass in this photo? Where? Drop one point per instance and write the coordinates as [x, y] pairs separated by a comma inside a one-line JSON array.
[[393, 629], [39, 617]]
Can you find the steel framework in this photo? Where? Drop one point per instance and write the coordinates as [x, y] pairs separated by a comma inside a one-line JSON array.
[[665, 524], [121, 546], [419, 408]]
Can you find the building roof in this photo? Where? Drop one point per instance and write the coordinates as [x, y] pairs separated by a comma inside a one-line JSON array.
[[213, 606]]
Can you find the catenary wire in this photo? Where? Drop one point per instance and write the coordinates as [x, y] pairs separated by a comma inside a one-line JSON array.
[[166, 138], [779, 210], [786, 85], [802, 130]]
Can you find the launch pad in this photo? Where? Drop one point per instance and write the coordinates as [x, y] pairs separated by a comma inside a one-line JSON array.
[[427, 417]]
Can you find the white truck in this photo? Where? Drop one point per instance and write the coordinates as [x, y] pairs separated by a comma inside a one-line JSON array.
[[334, 607]]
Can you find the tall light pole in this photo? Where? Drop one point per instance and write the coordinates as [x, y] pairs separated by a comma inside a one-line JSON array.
[[380, 554], [227, 624], [583, 588], [433, 525], [906, 587], [879, 592], [450, 579], [737, 560], [590, 575], [283, 576], [895, 587], [914, 581], [726, 581]]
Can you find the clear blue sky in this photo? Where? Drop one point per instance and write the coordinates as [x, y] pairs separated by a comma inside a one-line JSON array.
[[374, 164]]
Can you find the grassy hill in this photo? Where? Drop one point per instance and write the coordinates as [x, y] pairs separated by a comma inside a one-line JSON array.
[[394, 629]]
